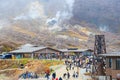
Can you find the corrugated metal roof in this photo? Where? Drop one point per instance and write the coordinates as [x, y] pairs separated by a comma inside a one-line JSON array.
[[27, 50], [112, 54], [78, 50]]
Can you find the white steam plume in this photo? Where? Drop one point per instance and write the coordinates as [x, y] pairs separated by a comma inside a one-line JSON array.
[[63, 14], [4, 23], [35, 10], [104, 28]]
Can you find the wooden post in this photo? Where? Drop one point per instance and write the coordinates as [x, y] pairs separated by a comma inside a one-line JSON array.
[[32, 55], [114, 63], [22, 55], [110, 77], [107, 62]]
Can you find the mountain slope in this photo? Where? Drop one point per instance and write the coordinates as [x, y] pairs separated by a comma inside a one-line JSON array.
[[71, 23], [103, 14]]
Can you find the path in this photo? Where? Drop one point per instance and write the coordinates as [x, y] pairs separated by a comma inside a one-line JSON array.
[[62, 70], [9, 69]]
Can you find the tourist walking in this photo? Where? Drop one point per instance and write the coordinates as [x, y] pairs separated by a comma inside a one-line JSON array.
[[70, 66], [60, 78], [54, 75], [67, 68], [64, 75], [56, 78], [74, 74], [47, 76], [68, 75]]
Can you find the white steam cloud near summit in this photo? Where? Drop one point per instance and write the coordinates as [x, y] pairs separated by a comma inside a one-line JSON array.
[[51, 11], [64, 14], [61, 15], [38, 9], [4, 23], [33, 10], [104, 28]]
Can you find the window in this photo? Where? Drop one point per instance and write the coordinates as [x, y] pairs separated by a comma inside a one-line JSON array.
[[110, 63], [1, 56], [118, 64]]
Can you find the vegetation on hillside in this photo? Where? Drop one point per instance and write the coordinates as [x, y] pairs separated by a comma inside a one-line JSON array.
[[38, 66]]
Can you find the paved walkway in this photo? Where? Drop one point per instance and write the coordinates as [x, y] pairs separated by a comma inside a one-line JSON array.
[[61, 69]]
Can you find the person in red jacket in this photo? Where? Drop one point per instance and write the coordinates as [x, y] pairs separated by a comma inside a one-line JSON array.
[[56, 79]]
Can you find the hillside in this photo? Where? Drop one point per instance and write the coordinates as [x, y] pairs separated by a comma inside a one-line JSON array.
[[59, 39], [71, 23], [102, 14], [73, 36]]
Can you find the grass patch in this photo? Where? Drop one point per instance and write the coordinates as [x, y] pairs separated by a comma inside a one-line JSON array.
[[7, 64]]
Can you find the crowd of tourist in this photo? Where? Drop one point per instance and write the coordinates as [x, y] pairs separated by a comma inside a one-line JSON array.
[[82, 62], [29, 75], [73, 64]]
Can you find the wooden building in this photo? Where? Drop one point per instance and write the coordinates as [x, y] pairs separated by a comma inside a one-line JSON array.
[[29, 51], [112, 64], [76, 52]]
